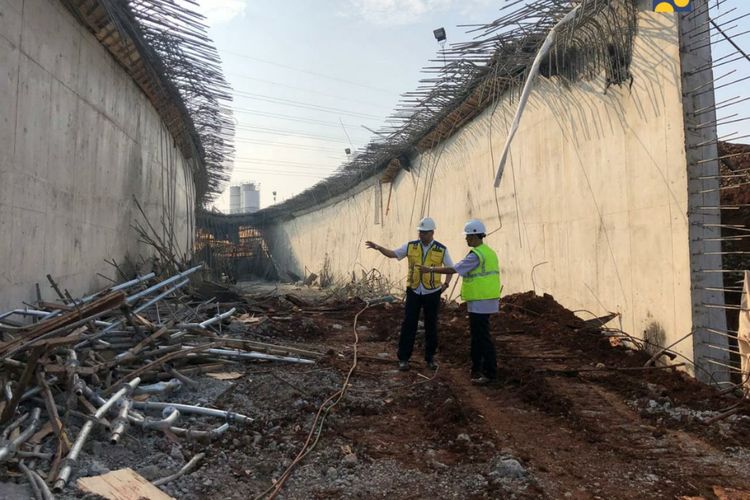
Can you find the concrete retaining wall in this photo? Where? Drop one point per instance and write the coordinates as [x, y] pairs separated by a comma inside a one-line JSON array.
[[78, 139], [592, 208]]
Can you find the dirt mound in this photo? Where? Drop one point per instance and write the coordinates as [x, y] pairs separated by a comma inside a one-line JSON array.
[[542, 306]]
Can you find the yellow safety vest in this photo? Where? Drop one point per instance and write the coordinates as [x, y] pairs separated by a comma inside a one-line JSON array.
[[433, 257], [483, 282]]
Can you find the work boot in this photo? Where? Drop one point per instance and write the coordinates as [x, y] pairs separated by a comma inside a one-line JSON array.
[[403, 366], [431, 364], [481, 380]]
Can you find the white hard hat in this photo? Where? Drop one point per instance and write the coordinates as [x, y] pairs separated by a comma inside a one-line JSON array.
[[474, 226], [426, 224]]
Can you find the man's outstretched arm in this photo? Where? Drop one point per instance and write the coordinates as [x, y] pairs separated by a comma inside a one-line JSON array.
[[385, 251], [437, 270]]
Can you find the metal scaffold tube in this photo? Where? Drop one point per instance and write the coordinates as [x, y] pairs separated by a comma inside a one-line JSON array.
[[75, 450], [236, 353], [161, 284], [198, 410]]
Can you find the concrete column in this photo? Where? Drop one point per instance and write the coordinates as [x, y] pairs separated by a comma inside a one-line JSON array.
[[701, 148]]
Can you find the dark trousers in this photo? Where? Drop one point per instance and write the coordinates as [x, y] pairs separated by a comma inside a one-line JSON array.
[[414, 303], [483, 357]]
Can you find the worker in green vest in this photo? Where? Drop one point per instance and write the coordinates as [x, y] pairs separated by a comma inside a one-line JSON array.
[[423, 291], [481, 292]]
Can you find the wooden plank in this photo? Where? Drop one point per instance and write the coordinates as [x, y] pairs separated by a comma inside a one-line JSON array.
[[130, 353], [731, 493], [225, 375], [54, 306], [81, 370], [54, 417], [105, 303], [123, 484], [59, 341], [42, 433]]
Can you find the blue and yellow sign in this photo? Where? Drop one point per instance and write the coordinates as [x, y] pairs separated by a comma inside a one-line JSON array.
[[672, 5]]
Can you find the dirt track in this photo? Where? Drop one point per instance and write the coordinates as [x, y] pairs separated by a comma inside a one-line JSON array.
[[560, 423]]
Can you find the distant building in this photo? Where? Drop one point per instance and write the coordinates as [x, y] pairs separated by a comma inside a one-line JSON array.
[[235, 200], [250, 197], [244, 198]]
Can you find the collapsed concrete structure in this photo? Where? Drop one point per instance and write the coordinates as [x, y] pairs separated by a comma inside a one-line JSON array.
[[610, 200], [575, 413], [91, 117]]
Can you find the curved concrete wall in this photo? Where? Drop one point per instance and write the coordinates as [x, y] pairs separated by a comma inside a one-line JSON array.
[[78, 140], [592, 207]]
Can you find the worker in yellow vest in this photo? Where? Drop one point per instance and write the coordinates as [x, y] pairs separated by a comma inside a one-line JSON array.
[[423, 290], [481, 292]]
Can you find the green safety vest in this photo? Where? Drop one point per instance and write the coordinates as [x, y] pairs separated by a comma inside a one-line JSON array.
[[483, 282]]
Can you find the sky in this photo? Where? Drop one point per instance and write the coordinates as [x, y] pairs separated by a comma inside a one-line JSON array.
[[310, 78]]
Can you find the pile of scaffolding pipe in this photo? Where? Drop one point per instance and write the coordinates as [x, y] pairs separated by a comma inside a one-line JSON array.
[[75, 450], [92, 346], [9, 450], [43, 315], [27, 311], [131, 299], [116, 288]]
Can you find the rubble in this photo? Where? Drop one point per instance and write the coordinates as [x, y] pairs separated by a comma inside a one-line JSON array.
[[113, 363], [533, 434]]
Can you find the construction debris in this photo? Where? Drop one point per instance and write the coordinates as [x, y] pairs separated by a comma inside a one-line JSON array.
[[163, 398], [533, 434], [111, 361]]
